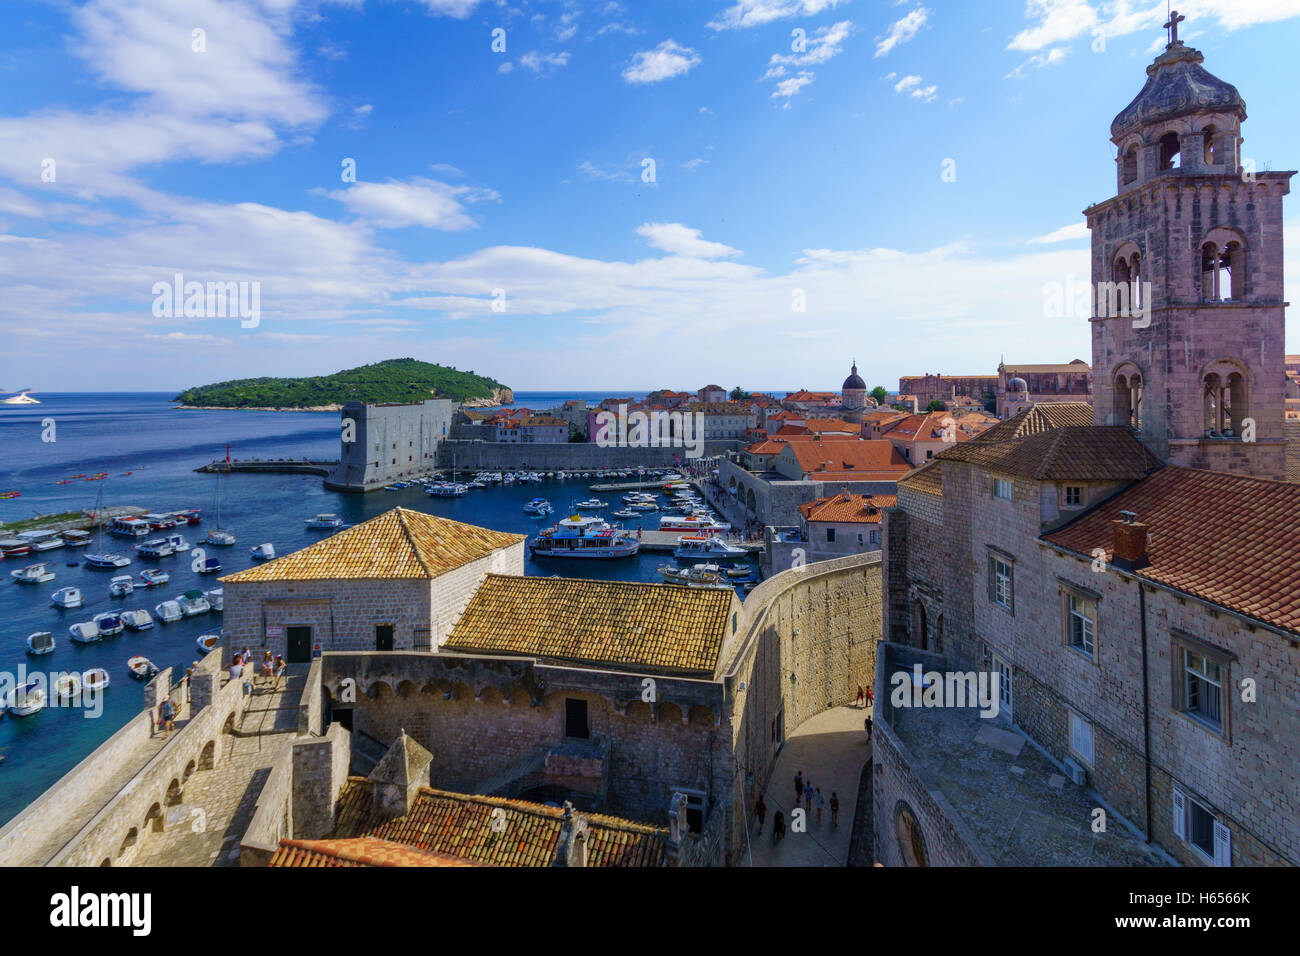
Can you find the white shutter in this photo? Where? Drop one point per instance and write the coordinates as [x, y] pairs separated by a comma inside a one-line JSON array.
[[1180, 815], [1222, 844]]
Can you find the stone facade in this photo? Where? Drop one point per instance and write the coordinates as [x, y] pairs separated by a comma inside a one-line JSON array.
[[388, 443]]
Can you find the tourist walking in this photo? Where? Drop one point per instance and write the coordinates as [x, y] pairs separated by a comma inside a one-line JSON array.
[[268, 666], [280, 667], [871, 696], [167, 715], [236, 667], [862, 698], [821, 802], [778, 827], [798, 787], [760, 811], [867, 726], [808, 795], [835, 809]]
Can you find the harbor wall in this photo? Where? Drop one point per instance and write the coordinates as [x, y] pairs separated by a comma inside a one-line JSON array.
[[776, 502], [388, 442], [568, 456]]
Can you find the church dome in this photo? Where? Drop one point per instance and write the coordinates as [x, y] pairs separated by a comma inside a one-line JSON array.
[[1177, 85], [1017, 385], [854, 381]]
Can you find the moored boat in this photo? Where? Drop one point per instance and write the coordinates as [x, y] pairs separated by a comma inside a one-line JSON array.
[[538, 506], [207, 642], [76, 539], [699, 576], [216, 597], [33, 574], [94, 680], [129, 528], [141, 667], [121, 586], [67, 686], [705, 546], [591, 504], [14, 547], [568, 542], [68, 597], [154, 577], [107, 560], [26, 700], [692, 522], [220, 537], [262, 552], [85, 632], [137, 620], [169, 612], [109, 624], [325, 522], [41, 540], [40, 642], [193, 603]]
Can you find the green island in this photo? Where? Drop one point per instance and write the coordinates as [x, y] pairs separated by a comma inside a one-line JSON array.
[[392, 380]]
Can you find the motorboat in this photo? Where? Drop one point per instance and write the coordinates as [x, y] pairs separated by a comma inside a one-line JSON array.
[[169, 612], [741, 571], [159, 522], [40, 642], [591, 504], [188, 516], [86, 632], [177, 543], [155, 549], [109, 624], [642, 506], [107, 560], [262, 552], [325, 522], [121, 586], [580, 523], [446, 489], [94, 680], [216, 597], [33, 574], [634, 496], [67, 686], [154, 577], [220, 537], [26, 700], [193, 603], [14, 547], [538, 506], [76, 539], [209, 566], [693, 522], [208, 642], [41, 540], [68, 597], [137, 620], [141, 667], [626, 513], [706, 546], [129, 528], [699, 576], [567, 541], [22, 398]]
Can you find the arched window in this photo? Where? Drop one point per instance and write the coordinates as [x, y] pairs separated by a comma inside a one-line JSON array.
[[1223, 267], [1129, 168], [1127, 409], [1170, 148], [1212, 157], [1227, 400]]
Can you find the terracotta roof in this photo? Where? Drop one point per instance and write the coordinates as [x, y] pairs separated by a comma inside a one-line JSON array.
[[884, 415], [831, 425], [396, 544], [788, 432], [660, 627], [1040, 417], [526, 834], [1094, 453], [849, 455], [768, 446], [363, 851], [929, 426], [1231, 540], [847, 507], [927, 479]]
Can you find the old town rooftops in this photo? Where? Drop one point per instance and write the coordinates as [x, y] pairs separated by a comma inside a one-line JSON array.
[[1092, 453], [654, 627], [1039, 417], [878, 458], [396, 544], [1228, 539], [361, 851], [461, 825], [847, 507]]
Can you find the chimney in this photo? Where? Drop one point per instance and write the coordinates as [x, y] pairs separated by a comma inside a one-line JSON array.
[[1130, 542], [571, 847]]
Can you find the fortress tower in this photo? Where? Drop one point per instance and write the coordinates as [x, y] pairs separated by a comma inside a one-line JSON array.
[[1190, 250]]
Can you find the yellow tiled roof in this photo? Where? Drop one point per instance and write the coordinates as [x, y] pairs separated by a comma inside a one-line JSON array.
[[661, 627], [397, 544]]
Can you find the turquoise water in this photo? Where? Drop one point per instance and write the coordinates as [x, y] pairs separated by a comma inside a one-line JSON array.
[[161, 446]]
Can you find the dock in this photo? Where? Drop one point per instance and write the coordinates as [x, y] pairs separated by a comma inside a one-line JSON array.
[[69, 521], [270, 466], [666, 541]]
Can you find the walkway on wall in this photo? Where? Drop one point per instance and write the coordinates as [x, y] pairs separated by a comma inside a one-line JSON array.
[[227, 796], [830, 749]]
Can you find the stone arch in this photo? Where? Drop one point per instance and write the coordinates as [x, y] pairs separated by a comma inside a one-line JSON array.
[[132, 837], [639, 710], [700, 716], [208, 755], [488, 695], [751, 503], [228, 725], [406, 689], [1223, 265], [1127, 398], [1170, 151], [911, 841], [667, 712], [174, 793], [920, 625], [153, 820], [1226, 385], [380, 690], [189, 770]]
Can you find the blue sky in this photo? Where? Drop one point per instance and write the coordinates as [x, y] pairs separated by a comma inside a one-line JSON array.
[[782, 170]]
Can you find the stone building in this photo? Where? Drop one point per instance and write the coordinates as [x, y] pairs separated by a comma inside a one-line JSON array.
[[853, 396], [380, 444], [943, 388], [843, 524], [1020, 386], [1122, 610]]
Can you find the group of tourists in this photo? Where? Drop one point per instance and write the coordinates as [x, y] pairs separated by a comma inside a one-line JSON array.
[[272, 668], [807, 797]]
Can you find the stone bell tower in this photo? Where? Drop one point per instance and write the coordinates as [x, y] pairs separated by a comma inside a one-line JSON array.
[[1188, 328]]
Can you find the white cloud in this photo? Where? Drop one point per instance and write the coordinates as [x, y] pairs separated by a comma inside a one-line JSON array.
[[755, 13], [459, 9], [1053, 57], [679, 240], [1077, 230], [792, 85], [901, 31], [665, 61], [543, 62], [420, 202], [912, 86]]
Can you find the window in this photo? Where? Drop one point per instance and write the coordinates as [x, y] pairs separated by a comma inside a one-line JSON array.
[[1000, 581], [830, 534], [1081, 623], [575, 718], [1202, 688], [1081, 738], [1197, 825], [1002, 489], [1073, 496], [1227, 401]]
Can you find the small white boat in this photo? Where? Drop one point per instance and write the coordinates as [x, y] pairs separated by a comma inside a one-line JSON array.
[[591, 504], [141, 667], [210, 566], [206, 642], [121, 586], [154, 577], [94, 680], [41, 642], [26, 700], [87, 632], [193, 603], [109, 623], [640, 506], [177, 543], [216, 597], [169, 612], [107, 560], [76, 539], [325, 522], [705, 546], [68, 597], [691, 523], [137, 620], [67, 686], [42, 540], [33, 574], [538, 506], [625, 513], [263, 552], [701, 575], [155, 549], [220, 537]]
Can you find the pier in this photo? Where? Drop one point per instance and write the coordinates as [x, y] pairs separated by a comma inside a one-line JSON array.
[[72, 520], [666, 541], [270, 466]]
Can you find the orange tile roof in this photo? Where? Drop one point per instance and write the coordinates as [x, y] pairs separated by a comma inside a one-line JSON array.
[[660, 627], [362, 851], [1039, 417], [396, 544], [849, 456], [831, 425], [928, 479], [792, 431], [768, 446], [929, 426], [1230, 540], [525, 834], [1092, 453], [847, 507]]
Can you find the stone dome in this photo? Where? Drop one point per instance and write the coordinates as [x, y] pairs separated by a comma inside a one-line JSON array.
[[1177, 85], [853, 381], [1017, 385]]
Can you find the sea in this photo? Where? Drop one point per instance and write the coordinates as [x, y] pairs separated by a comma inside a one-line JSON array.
[[149, 449]]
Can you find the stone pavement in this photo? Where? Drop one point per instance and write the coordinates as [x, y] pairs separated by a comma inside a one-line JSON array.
[[830, 749]]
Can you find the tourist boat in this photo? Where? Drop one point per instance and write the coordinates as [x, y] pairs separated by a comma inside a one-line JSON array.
[[33, 574], [41, 540], [262, 552], [40, 642], [207, 642], [68, 597], [159, 522], [141, 667], [209, 566], [216, 597], [137, 620], [155, 549], [188, 515], [193, 603], [705, 546], [67, 686], [129, 528], [26, 700], [169, 612], [568, 541], [76, 539], [14, 547], [539, 507], [693, 522], [94, 680], [325, 522], [592, 504], [626, 513], [86, 632], [177, 543], [109, 624], [153, 577]]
